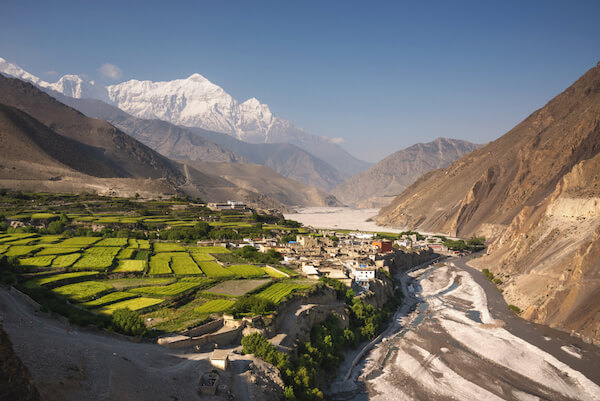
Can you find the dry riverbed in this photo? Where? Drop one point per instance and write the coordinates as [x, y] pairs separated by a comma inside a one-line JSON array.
[[451, 347]]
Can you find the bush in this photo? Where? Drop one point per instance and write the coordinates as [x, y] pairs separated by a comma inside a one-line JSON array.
[[253, 304], [515, 309], [126, 321]]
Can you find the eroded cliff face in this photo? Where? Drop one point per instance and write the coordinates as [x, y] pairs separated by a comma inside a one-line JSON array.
[[535, 194]]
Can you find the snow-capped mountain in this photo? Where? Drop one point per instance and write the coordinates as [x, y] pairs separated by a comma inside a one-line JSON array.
[[197, 102], [68, 85]]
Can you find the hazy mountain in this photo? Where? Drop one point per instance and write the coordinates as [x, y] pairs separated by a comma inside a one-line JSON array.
[[197, 102], [536, 193], [198, 144], [377, 186]]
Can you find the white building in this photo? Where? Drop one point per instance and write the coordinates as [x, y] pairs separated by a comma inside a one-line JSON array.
[[311, 271], [363, 273]]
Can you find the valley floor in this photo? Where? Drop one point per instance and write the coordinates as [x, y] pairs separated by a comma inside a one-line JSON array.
[[461, 342]]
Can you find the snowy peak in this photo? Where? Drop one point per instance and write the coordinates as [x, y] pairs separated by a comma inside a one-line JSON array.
[[79, 88], [13, 70]]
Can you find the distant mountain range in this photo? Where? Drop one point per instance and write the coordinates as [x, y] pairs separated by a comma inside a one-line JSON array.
[[535, 194], [48, 146], [377, 186], [196, 102]]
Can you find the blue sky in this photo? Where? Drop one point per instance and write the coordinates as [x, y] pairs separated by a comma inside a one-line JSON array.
[[381, 75]]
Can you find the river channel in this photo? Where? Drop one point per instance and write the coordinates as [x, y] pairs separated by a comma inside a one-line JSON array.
[[456, 339]]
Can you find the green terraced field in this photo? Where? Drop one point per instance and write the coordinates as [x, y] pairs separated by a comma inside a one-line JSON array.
[[24, 241], [213, 269], [97, 258], [57, 250], [112, 242], [40, 216], [57, 278], [79, 241], [130, 266], [21, 250], [37, 261], [126, 253], [215, 306], [47, 239], [202, 257], [63, 261], [159, 265], [184, 264], [133, 304], [167, 247], [236, 288], [275, 272], [125, 283], [246, 270], [3, 248], [109, 299], [210, 249], [172, 290], [277, 291], [82, 291]]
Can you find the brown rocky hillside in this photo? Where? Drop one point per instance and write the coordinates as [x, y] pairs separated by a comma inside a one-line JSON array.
[[377, 186], [535, 193]]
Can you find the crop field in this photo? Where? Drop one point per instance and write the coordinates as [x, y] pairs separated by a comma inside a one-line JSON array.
[[109, 299], [278, 291], [126, 283], [97, 258], [23, 241], [56, 250], [40, 216], [271, 271], [56, 278], [37, 261], [82, 291], [172, 290], [159, 265], [167, 247], [184, 264], [133, 304], [236, 288], [126, 253], [130, 266], [202, 257], [139, 243], [79, 241], [210, 249], [64, 261], [3, 248], [215, 306], [21, 250], [213, 269], [113, 242], [246, 270], [48, 239], [142, 254]]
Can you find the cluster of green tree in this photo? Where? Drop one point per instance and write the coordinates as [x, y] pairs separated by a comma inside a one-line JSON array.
[[473, 244], [8, 269], [200, 230], [252, 254], [128, 322], [319, 358], [289, 223], [287, 238], [419, 236], [490, 276], [265, 218], [3, 223], [252, 305]]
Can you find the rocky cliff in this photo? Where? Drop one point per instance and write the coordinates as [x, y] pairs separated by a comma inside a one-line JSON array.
[[534, 193]]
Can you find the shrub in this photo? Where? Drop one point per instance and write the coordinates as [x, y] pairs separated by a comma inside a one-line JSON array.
[[515, 309], [253, 304], [126, 321]]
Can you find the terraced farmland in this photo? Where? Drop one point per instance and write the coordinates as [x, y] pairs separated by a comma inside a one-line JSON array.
[[126, 266], [82, 291], [57, 250], [159, 265], [97, 258], [278, 291], [215, 306], [38, 261], [213, 269], [133, 304], [172, 290], [113, 242], [246, 270], [109, 299], [79, 241], [56, 278], [21, 250], [167, 247], [184, 264], [64, 261]]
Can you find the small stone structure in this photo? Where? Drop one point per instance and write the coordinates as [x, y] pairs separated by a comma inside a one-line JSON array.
[[220, 358], [209, 382]]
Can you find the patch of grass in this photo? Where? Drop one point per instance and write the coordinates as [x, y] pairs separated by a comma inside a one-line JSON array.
[[37, 261], [515, 309], [246, 270], [56, 250], [113, 242], [128, 265], [64, 261], [174, 289], [109, 299], [82, 291], [278, 291], [167, 247], [215, 306], [133, 304], [213, 269], [184, 264]]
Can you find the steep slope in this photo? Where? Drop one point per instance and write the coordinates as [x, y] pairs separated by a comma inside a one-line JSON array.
[[535, 192], [263, 180], [16, 382], [377, 186], [197, 102], [126, 156]]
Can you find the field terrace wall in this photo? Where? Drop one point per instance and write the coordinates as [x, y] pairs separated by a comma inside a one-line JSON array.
[[224, 336]]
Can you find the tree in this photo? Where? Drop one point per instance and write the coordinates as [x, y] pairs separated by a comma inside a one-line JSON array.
[[56, 227], [128, 322]]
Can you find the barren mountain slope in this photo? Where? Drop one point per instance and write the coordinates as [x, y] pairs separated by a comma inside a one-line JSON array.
[[262, 179], [130, 157], [535, 192], [392, 175]]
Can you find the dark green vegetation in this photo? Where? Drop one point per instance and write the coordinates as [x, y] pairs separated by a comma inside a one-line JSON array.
[[514, 308], [128, 322], [251, 253], [473, 244], [319, 358]]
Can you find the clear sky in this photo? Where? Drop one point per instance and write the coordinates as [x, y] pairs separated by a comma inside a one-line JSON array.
[[381, 75]]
